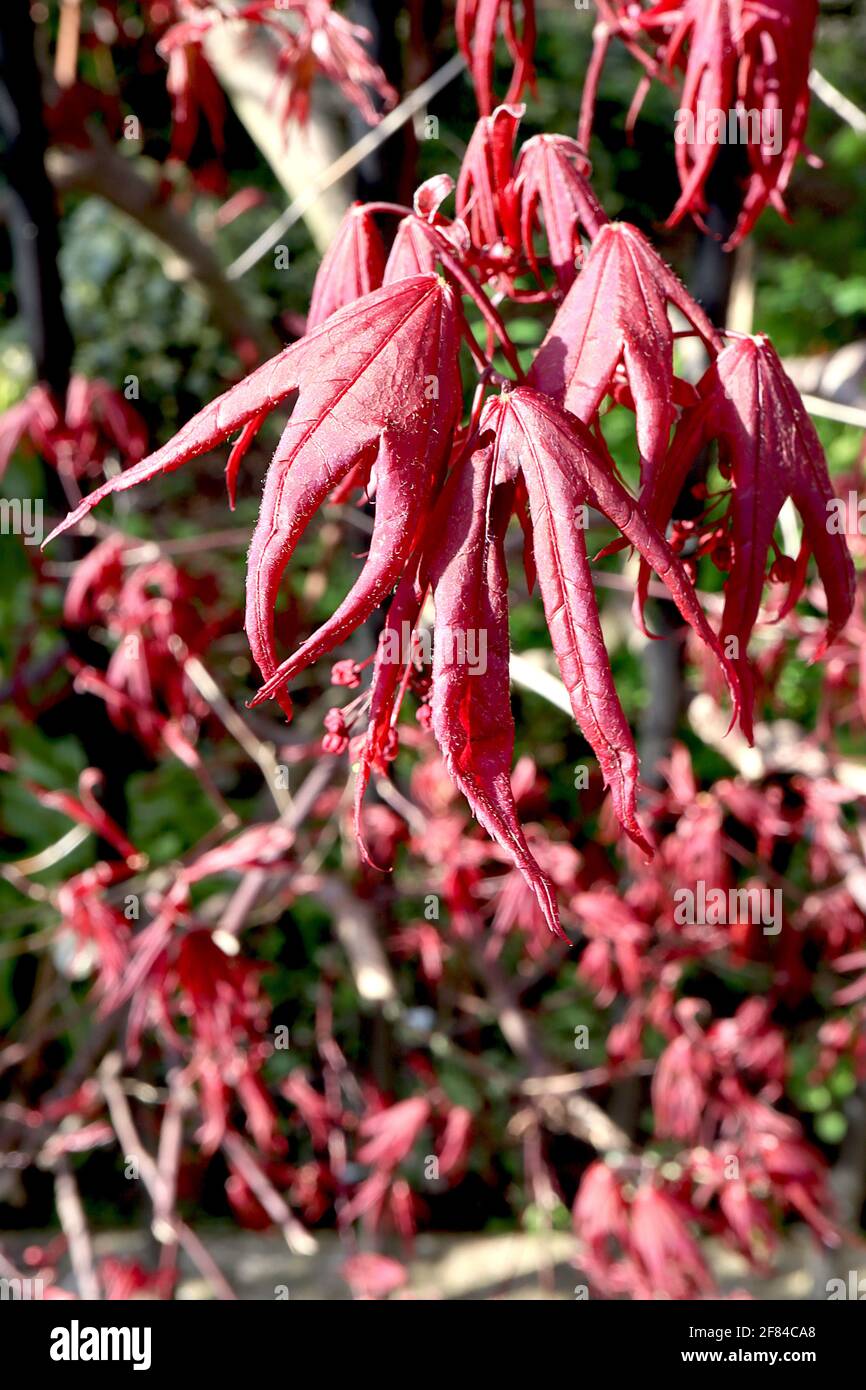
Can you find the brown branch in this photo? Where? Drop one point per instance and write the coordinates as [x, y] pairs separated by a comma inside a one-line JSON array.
[[105, 173], [573, 1114], [169, 1226], [296, 1236]]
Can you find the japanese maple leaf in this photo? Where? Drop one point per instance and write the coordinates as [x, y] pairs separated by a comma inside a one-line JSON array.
[[261, 847], [377, 383], [35, 417], [92, 591], [390, 1134], [192, 86], [324, 42], [662, 1244], [99, 930], [754, 57], [472, 718], [616, 313], [500, 201], [778, 36], [487, 198], [705, 32], [311, 39], [85, 810], [424, 238], [415, 250], [564, 473], [385, 690], [425, 242], [552, 177], [477, 24], [770, 451], [75, 435]]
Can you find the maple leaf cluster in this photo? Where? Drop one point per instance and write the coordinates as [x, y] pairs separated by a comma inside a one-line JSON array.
[[376, 398], [748, 59], [737, 1163], [157, 616], [75, 435]]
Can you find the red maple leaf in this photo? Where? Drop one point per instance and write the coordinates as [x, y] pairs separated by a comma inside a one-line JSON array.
[[616, 315], [311, 39], [353, 265], [770, 452], [553, 178], [192, 86], [376, 384], [564, 472], [76, 435]]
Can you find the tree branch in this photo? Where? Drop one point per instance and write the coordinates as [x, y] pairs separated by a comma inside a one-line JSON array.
[[107, 174]]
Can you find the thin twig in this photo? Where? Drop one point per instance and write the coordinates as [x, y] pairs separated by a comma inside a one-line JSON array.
[[52, 854], [296, 1236], [261, 753], [70, 1213], [248, 891], [124, 1128], [168, 1163], [68, 37], [837, 102], [834, 410], [27, 945], [393, 797]]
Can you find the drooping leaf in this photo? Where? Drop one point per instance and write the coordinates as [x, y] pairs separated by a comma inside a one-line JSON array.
[[352, 266], [192, 86], [552, 177], [748, 61], [478, 22], [471, 705], [393, 394], [770, 451], [402, 615], [487, 198], [380, 380], [564, 473]]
